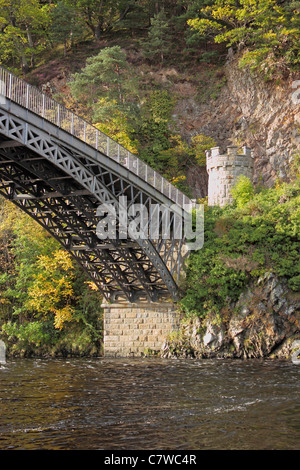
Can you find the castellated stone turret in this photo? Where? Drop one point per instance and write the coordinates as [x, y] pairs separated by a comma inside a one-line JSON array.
[[224, 170]]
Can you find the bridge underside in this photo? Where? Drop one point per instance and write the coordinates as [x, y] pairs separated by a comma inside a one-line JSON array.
[[61, 189]]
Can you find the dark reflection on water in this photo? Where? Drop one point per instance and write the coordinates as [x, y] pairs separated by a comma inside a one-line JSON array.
[[146, 404]]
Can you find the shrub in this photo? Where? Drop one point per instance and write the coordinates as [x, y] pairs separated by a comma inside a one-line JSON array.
[[243, 241], [243, 191]]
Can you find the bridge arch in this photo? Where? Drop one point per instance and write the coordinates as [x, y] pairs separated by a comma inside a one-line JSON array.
[[60, 180]]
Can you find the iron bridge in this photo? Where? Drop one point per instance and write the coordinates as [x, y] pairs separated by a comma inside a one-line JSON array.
[[58, 169]]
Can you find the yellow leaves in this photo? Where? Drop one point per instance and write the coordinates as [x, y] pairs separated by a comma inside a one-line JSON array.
[[92, 285], [117, 131], [60, 260], [224, 12], [178, 179], [52, 290], [8, 215], [63, 315], [200, 143], [204, 25], [258, 24], [116, 126], [3, 21]]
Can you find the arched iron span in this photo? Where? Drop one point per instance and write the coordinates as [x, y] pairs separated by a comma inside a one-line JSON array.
[[60, 180]]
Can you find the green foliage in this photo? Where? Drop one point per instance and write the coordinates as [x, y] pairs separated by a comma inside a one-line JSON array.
[[158, 43], [46, 302], [268, 31], [199, 144], [65, 25], [153, 128], [23, 24], [38, 338], [243, 191], [107, 75], [107, 88], [115, 122], [101, 16], [27, 338], [163, 149], [180, 156], [193, 37], [242, 242], [174, 161], [28, 242]]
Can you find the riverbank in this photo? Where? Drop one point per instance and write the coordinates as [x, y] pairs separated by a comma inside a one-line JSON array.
[[263, 323], [241, 293]]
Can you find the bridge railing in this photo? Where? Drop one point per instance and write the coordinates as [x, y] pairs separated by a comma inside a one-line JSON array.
[[26, 95]]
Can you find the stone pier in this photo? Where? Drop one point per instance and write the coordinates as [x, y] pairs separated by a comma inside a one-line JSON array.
[[132, 329]]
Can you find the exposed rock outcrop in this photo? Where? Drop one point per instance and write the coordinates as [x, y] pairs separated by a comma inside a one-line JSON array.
[[264, 322], [248, 111]]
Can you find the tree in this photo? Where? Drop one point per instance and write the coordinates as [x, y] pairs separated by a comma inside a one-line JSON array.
[[268, 32], [65, 25], [47, 304], [52, 291], [8, 217], [108, 88], [27, 244], [243, 191], [110, 119], [23, 24], [158, 43], [152, 130], [101, 16], [108, 75], [175, 161], [199, 144]]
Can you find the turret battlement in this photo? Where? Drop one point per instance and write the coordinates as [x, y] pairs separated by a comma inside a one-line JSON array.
[[224, 171]]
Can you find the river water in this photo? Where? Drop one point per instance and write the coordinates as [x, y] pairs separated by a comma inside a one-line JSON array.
[[147, 404]]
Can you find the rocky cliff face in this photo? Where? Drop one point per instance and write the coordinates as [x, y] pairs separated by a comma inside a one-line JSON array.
[[268, 121], [264, 322], [249, 112]]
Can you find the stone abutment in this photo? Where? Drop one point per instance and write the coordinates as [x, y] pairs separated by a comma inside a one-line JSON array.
[[137, 329]]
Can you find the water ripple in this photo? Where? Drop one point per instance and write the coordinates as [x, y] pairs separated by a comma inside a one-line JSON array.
[[149, 404]]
